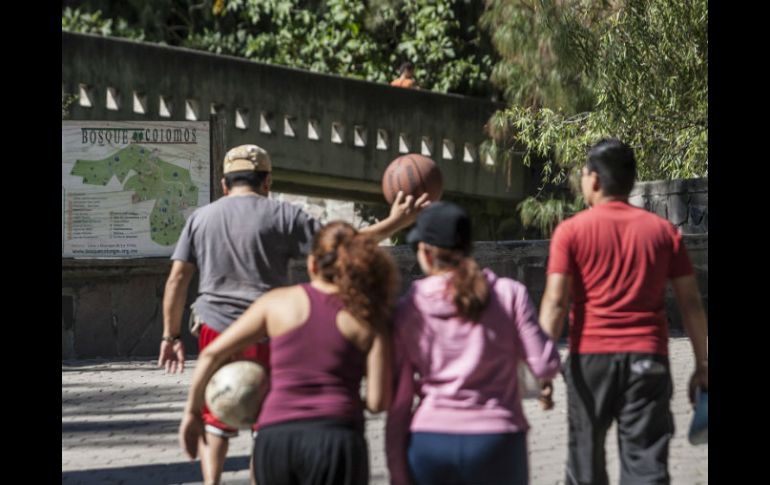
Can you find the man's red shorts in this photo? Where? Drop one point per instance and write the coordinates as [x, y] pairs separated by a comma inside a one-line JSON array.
[[259, 353]]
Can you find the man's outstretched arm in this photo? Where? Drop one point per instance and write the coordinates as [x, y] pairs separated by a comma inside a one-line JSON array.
[[553, 310], [554, 305], [403, 213], [695, 324], [171, 353]]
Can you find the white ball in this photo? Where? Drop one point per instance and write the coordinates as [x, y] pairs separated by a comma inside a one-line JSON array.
[[235, 392]]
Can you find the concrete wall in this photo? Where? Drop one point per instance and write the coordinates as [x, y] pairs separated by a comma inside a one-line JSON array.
[[683, 202], [113, 308], [274, 106]]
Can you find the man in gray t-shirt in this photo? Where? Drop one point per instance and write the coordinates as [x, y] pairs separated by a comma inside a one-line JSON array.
[[241, 244]]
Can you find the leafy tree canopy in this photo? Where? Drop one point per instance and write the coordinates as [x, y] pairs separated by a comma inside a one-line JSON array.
[[364, 40], [576, 71]]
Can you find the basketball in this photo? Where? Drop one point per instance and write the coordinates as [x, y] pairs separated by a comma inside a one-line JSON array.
[[235, 392], [415, 175]]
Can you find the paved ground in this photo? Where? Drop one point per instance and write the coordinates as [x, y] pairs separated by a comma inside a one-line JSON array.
[[119, 422]]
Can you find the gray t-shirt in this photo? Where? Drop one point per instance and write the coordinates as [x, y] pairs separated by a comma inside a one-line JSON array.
[[242, 246]]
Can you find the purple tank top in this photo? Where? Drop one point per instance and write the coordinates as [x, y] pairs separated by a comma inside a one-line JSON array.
[[315, 372]]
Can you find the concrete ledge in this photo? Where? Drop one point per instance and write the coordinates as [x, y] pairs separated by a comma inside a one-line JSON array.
[[321, 130]]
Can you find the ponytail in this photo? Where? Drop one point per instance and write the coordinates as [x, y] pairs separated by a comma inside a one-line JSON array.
[[469, 288]]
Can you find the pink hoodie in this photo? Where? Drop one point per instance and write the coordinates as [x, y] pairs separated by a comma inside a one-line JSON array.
[[467, 379]]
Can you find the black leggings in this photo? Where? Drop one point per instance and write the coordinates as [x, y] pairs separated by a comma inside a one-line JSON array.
[[311, 452]]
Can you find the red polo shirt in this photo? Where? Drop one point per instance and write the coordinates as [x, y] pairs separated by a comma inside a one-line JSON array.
[[620, 258]]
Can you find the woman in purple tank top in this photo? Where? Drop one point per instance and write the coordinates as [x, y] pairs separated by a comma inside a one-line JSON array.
[[324, 336]]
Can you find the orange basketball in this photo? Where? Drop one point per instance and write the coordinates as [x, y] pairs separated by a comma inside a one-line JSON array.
[[415, 175]]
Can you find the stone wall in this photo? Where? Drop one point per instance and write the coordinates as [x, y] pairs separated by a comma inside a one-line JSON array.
[[114, 308], [683, 202]]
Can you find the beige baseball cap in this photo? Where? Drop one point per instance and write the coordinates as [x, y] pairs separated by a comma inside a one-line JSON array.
[[247, 157]]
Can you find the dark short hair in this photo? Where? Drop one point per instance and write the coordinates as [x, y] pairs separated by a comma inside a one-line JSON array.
[[615, 163], [407, 66], [245, 177]]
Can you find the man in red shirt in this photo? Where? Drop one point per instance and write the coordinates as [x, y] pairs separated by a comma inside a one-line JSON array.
[[613, 262]]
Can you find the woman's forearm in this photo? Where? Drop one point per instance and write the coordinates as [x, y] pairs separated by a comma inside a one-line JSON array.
[[207, 364]]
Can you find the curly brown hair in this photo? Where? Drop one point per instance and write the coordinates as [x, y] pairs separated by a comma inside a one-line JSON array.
[[365, 273]]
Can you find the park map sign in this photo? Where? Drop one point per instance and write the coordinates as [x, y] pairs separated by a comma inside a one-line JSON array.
[[128, 187]]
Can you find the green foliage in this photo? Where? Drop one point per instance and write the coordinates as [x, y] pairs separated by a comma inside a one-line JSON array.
[[66, 101], [430, 39], [648, 68], [75, 20], [364, 40], [162, 21], [636, 70], [538, 67], [545, 214]]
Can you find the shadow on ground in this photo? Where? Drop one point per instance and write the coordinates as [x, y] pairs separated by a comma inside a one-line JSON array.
[[158, 474]]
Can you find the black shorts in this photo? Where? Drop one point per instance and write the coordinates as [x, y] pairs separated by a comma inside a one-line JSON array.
[[311, 452]]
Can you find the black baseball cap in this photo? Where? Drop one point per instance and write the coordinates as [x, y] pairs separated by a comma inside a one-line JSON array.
[[442, 224]]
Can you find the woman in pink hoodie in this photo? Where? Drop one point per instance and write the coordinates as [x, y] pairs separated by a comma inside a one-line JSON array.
[[459, 336]]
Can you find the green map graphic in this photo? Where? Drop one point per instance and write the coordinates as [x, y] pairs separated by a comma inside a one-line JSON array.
[[169, 185]]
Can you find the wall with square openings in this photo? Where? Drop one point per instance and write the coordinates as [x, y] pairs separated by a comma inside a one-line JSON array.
[[322, 132]]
